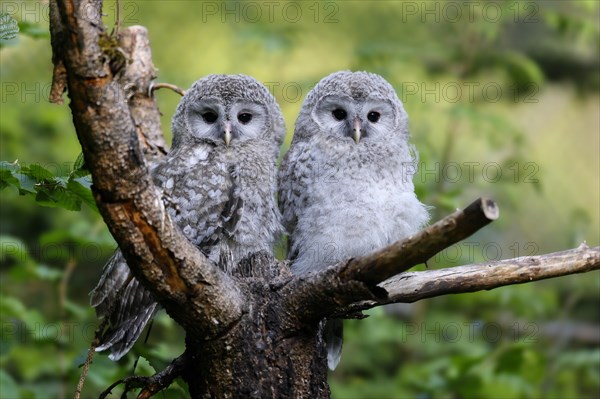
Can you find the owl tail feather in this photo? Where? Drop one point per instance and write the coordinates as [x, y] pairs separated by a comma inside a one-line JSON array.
[[120, 339], [334, 338], [124, 303]]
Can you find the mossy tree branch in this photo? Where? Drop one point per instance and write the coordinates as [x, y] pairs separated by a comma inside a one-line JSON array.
[[255, 334], [110, 108]]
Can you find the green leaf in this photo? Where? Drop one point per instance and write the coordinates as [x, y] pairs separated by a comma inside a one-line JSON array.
[[8, 386], [34, 30], [7, 172], [22, 273], [17, 315], [7, 179], [522, 70], [38, 172], [44, 272], [81, 188], [58, 198], [465, 363], [79, 164], [26, 184], [11, 306], [144, 367], [468, 385], [78, 311], [511, 360], [10, 166], [49, 190]]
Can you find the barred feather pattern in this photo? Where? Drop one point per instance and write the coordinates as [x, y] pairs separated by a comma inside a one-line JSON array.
[[220, 193], [345, 185]]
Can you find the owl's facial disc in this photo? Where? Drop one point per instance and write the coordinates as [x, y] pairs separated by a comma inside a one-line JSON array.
[[355, 118], [336, 115], [205, 120], [247, 121], [374, 119], [226, 124], [378, 117]]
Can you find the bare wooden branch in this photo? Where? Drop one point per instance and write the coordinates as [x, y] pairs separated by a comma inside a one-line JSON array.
[[197, 294], [85, 369], [137, 82], [414, 286], [318, 295], [402, 255], [255, 334], [410, 287], [169, 86], [59, 73]]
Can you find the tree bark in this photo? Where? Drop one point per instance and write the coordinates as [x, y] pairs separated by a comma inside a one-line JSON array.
[[257, 333], [261, 356], [199, 296], [414, 286]]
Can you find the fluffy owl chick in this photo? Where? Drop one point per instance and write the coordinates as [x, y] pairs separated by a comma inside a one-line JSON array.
[[345, 185], [218, 184]]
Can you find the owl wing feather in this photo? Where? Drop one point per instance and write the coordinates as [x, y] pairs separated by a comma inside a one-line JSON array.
[[203, 196], [127, 304], [114, 276], [230, 214], [225, 227]]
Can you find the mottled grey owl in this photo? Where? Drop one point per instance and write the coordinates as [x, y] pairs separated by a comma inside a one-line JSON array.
[[345, 185], [218, 184]]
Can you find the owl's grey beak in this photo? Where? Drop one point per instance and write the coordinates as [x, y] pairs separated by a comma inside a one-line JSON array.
[[357, 128], [227, 134]]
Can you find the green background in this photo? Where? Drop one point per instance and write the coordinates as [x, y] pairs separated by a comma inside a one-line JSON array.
[[503, 99]]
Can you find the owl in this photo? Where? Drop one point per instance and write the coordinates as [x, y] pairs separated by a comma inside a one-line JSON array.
[[345, 185], [218, 185]]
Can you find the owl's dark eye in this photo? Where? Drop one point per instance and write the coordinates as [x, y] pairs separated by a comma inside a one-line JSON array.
[[373, 116], [209, 117], [244, 117], [339, 114]]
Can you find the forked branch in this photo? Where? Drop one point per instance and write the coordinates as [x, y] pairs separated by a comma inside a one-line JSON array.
[[355, 280], [374, 268], [414, 286], [363, 283], [111, 113]]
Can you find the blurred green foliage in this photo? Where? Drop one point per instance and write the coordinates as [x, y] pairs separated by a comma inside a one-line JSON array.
[[67, 192], [504, 101]]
